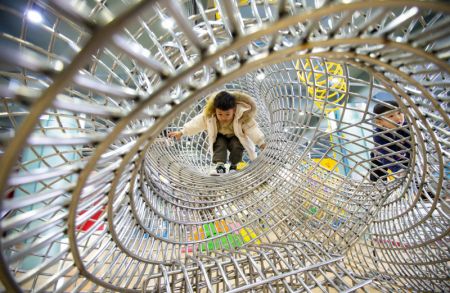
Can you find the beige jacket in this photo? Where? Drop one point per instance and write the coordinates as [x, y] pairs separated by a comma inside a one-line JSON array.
[[245, 127]]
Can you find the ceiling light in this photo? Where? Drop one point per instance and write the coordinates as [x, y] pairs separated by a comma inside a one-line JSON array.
[[34, 16], [168, 23]]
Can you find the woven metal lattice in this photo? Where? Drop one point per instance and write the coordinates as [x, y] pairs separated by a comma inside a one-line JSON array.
[[96, 197]]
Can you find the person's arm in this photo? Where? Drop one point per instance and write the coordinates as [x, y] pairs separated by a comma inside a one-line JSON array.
[[404, 148], [406, 143], [196, 125], [175, 134], [255, 134]]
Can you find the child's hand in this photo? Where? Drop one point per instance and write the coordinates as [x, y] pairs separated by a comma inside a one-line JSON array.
[[400, 174], [176, 134], [263, 146]]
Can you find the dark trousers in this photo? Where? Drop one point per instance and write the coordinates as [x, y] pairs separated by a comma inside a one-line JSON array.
[[224, 144]]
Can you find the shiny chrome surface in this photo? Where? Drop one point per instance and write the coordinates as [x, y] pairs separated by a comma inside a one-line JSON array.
[[95, 197]]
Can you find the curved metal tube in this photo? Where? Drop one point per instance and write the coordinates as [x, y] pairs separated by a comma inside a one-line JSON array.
[[94, 196]]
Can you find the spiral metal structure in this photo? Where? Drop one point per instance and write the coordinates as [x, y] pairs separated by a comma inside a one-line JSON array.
[[95, 197]]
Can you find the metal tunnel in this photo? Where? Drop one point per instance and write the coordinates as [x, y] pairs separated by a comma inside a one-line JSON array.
[[96, 198]]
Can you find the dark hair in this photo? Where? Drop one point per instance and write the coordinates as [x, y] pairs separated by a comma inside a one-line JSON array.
[[224, 101], [382, 108]]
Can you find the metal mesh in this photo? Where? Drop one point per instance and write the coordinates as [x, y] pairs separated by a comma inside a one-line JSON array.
[[95, 197]]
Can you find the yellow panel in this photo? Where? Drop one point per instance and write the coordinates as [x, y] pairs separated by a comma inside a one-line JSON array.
[[327, 163]]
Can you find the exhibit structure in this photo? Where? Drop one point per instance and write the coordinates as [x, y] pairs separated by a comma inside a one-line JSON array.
[[95, 197]]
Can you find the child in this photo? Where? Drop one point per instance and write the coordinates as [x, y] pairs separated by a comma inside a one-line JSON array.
[[392, 141], [228, 118]]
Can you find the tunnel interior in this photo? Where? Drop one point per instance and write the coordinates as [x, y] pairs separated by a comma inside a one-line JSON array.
[[96, 197]]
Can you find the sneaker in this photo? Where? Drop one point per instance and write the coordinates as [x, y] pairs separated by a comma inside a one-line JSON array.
[[218, 170], [233, 169]]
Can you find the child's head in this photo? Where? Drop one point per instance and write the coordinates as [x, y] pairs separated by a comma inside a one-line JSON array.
[[393, 117], [225, 106]]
